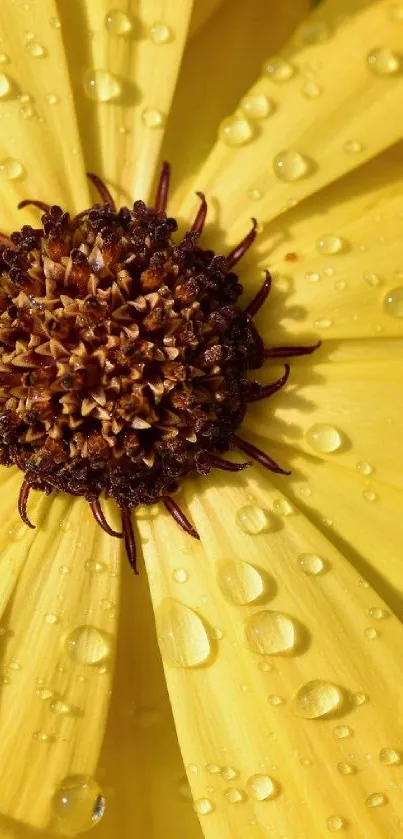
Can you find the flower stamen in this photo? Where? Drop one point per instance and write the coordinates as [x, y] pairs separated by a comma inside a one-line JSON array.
[[102, 190], [179, 516], [240, 250], [258, 455], [22, 503], [101, 520]]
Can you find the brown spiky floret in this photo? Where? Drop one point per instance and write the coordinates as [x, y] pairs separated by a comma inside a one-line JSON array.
[[124, 356]]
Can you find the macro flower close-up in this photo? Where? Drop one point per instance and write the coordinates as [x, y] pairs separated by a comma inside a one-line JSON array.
[[201, 435]]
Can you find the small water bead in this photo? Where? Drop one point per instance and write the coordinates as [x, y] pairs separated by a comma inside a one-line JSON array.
[[255, 194], [377, 613], [236, 131], [311, 564], [88, 645], [235, 795], [306, 492], [335, 823], [203, 806], [106, 605], [182, 634], [152, 118], [55, 23], [342, 732], [359, 698], [291, 165], [257, 106], [323, 323], [364, 468], [51, 99], [283, 507], [279, 70], [395, 12], [35, 49], [276, 700], [393, 302], [317, 698], [101, 86], [78, 804], [51, 618], [213, 768], [371, 633], [240, 582], [64, 570], [62, 708], [312, 276], [346, 768], [353, 146], [26, 112], [384, 62], [5, 86], [330, 244], [329, 271], [311, 90], [339, 285], [180, 575], [229, 773], [391, 757], [271, 633], [160, 33], [43, 737], [369, 495], [118, 23], [254, 520], [4, 59], [95, 566], [376, 799], [323, 438], [372, 279], [11, 169]]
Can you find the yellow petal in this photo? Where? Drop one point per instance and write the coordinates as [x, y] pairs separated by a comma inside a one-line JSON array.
[[320, 695]]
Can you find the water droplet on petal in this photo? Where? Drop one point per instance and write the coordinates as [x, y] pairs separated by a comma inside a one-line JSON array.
[[384, 62], [275, 700], [279, 70], [88, 645], [376, 799], [5, 86], [4, 59], [51, 98], [342, 732], [346, 768], [44, 693], [262, 787], [55, 23], [283, 507], [372, 279], [213, 768], [182, 634], [317, 698], [377, 613], [254, 520], [364, 468], [391, 757], [180, 575], [101, 86], [271, 633], [184, 789], [26, 112], [335, 823], [311, 564], [152, 118], [235, 795], [160, 33], [78, 804], [369, 495], [35, 49], [95, 566], [118, 23], [311, 90], [371, 633], [323, 323], [393, 302], [330, 244], [339, 285], [51, 618], [255, 194], [312, 276], [59, 706], [291, 165], [240, 582], [11, 169], [236, 131], [323, 438], [257, 106], [229, 773], [203, 806], [353, 146]]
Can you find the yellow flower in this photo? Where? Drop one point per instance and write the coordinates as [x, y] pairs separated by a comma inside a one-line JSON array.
[[280, 630]]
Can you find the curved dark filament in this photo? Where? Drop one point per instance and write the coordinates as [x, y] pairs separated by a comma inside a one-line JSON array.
[[257, 301], [258, 455], [198, 224], [288, 352], [101, 189], [128, 536], [5, 240], [179, 516], [31, 203], [101, 520], [161, 197], [265, 391], [22, 503], [239, 251], [217, 462]]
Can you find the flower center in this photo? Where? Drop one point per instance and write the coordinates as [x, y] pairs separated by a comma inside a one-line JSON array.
[[124, 355]]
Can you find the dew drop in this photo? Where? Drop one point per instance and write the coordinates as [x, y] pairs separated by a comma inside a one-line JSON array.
[[311, 564], [323, 323], [371, 633], [323, 438], [203, 806], [213, 768], [335, 823], [88, 645], [5, 86], [101, 86], [44, 693], [372, 279], [240, 582], [11, 169], [35, 49], [342, 732], [283, 507], [314, 32], [276, 700], [64, 570], [4, 59], [391, 757], [180, 575], [55, 23], [316, 699], [236, 131], [118, 23], [384, 62], [369, 495], [291, 165], [377, 613], [346, 768], [262, 787], [353, 146], [51, 98], [235, 795], [339, 285], [279, 70], [152, 118], [60, 707], [257, 106], [26, 112], [393, 302], [395, 12], [271, 633], [78, 804], [311, 90], [182, 634], [364, 468], [376, 799], [52, 619], [160, 33], [254, 520], [229, 773], [95, 566], [312, 276], [330, 244]]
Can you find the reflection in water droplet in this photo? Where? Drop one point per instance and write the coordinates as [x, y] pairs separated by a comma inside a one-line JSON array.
[[239, 582], [335, 823], [290, 165], [311, 564], [213, 768], [5, 86], [391, 757], [384, 62], [257, 106], [283, 507], [182, 634], [364, 468], [59, 706], [341, 732], [180, 575], [35, 49], [377, 613], [95, 566], [254, 520], [312, 276], [279, 69], [346, 768], [317, 698], [271, 633], [152, 118], [11, 169], [118, 23], [323, 323], [330, 244], [353, 146], [275, 700], [369, 495], [393, 302], [44, 693], [311, 90], [371, 633], [376, 799], [88, 645], [160, 33], [229, 773], [236, 131], [101, 86], [235, 795], [323, 438], [51, 618], [262, 787], [203, 806], [78, 804], [51, 98]]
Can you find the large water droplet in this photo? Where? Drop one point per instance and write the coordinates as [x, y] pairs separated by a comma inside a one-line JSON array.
[[78, 804], [291, 165], [254, 520], [279, 70], [317, 698], [257, 106], [271, 633], [239, 582], [88, 645], [323, 438], [5, 86], [376, 799], [182, 634], [262, 787], [152, 118], [311, 564], [236, 131], [35, 49], [160, 33], [335, 823], [11, 169], [330, 244], [118, 23], [101, 86], [384, 62], [391, 757], [393, 302], [203, 806]]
